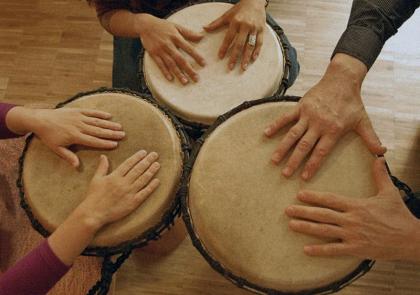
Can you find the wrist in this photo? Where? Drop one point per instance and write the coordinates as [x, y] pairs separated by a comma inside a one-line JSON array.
[[141, 21], [19, 120], [349, 69], [89, 223]]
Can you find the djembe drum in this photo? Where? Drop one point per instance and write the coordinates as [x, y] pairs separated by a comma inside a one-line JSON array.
[[51, 189], [235, 201], [197, 105]]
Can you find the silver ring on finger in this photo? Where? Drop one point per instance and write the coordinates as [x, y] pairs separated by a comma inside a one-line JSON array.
[[252, 40]]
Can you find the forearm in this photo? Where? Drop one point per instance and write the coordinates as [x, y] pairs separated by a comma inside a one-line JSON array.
[[371, 24], [36, 273], [123, 23], [73, 236]]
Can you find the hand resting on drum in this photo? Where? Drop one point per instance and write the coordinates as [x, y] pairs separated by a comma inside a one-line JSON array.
[[326, 112], [60, 128], [247, 18], [110, 197], [379, 227]]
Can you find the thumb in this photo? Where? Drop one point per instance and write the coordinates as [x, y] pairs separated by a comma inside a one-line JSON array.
[[189, 35], [67, 155], [381, 176], [369, 136], [217, 23], [103, 166]]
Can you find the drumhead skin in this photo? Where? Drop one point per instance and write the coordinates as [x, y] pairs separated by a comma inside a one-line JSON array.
[[237, 199], [218, 90], [53, 189]]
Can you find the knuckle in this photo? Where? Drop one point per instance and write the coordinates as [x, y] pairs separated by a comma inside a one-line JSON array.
[[335, 128], [294, 133], [304, 145], [321, 152]]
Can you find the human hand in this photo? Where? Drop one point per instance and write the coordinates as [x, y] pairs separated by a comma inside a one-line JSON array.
[[163, 40], [378, 227], [60, 128], [326, 113], [115, 195], [245, 19]]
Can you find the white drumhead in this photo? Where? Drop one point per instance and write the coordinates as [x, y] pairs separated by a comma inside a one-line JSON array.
[[218, 90]]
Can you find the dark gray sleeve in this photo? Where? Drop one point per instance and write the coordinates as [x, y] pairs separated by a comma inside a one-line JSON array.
[[371, 24]]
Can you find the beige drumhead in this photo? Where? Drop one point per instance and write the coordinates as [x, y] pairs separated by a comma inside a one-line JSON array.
[[218, 90], [54, 189], [237, 200]]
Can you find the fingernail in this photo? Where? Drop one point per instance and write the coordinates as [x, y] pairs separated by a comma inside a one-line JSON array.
[[169, 77], [184, 80], [203, 62], [156, 165], [307, 248], [245, 67], [300, 195], [305, 175], [196, 78], [275, 158], [154, 155], [254, 57], [143, 153], [287, 171], [115, 143], [231, 66], [289, 210], [267, 131]]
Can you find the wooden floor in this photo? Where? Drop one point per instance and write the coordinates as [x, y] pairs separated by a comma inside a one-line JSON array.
[[53, 49]]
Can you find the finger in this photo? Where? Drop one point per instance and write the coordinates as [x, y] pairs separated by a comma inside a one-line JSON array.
[[292, 136], [146, 177], [173, 68], [302, 149], [141, 167], [142, 195], [325, 200], [258, 46], [192, 52], [321, 150], [368, 134], [217, 23], [189, 35], [238, 47], [102, 123], [227, 41], [96, 114], [95, 142], [103, 133], [330, 249], [103, 166], [162, 67], [128, 164], [246, 55], [323, 215], [316, 229], [183, 65], [281, 122], [381, 176], [67, 155]]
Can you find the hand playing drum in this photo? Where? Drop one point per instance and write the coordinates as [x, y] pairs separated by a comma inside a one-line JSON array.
[[323, 116], [60, 128], [246, 21]]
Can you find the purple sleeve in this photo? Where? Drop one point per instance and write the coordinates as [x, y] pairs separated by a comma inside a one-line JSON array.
[[35, 274], [4, 131]]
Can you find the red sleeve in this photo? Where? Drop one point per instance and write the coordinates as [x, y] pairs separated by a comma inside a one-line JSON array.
[[4, 131], [35, 274]]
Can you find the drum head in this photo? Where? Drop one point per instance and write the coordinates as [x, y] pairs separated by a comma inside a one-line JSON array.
[[53, 189], [237, 199], [218, 90]]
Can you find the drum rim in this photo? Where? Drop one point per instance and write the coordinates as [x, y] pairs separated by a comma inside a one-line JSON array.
[[197, 127], [241, 282], [168, 217]]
